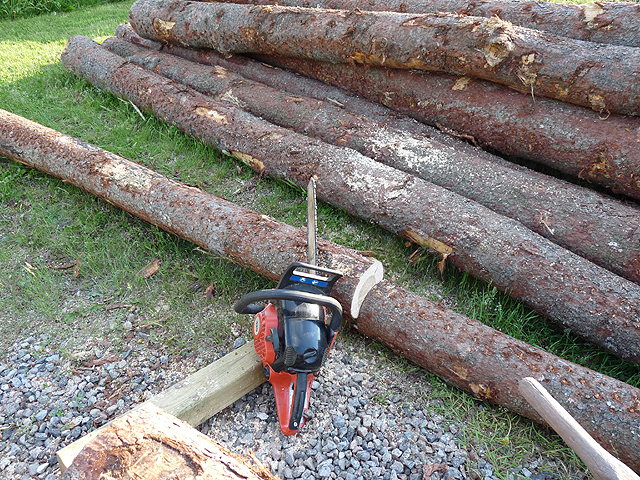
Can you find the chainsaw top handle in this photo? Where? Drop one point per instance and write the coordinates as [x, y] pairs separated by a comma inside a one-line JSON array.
[[247, 304]]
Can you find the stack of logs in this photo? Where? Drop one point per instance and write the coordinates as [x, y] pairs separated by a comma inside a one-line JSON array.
[[526, 90]]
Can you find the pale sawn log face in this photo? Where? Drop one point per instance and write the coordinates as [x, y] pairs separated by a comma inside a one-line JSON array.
[[462, 351], [567, 289], [151, 444], [597, 76], [590, 224]]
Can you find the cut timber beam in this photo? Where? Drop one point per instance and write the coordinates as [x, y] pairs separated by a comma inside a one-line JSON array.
[[151, 444], [199, 396]]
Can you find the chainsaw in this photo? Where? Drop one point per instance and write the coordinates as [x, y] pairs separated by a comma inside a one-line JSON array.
[[295, 327]]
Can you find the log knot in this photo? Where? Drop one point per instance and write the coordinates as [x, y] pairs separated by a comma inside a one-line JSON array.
[[497, 49]]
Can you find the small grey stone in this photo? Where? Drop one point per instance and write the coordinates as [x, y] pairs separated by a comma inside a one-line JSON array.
[[324, 470], [41, 415], [238, 342], [339, 421], [397, 467]]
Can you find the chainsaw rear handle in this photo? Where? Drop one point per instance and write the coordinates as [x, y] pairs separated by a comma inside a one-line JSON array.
[[247, 304]]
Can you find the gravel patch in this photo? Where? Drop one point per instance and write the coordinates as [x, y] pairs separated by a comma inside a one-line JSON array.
[[369, 419], [48, 401]]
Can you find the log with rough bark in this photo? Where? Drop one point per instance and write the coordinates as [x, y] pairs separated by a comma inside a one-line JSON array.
[[150, 444], [616, 23], [213, 223], [462, 351], [591, 301], [574, 140], [602, 77], [569, 138], [595, 226]]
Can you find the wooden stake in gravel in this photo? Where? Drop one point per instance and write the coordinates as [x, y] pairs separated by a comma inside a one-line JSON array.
[[464, 352], [591, 301], [585, 222], [601, 77], [616, 23]]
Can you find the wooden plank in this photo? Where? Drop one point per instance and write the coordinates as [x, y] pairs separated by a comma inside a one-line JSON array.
[[601, 464], [197, 397], [151, 444]]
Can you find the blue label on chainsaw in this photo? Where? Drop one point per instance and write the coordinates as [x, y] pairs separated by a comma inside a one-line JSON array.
[[308, 281]]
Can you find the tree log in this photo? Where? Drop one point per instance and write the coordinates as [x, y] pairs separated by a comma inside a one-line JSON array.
[[616, 23], [585, 222], [566, 137], [151, 444], [602, 77], [462, 351], [591, 301], [545, 132]]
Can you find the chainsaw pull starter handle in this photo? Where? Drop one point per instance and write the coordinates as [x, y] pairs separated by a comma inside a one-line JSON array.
[[247, 304]]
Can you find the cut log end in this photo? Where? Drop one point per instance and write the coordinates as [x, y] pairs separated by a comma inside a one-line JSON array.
[[368, 280]]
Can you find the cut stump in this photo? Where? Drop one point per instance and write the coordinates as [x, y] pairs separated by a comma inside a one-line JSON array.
[[150, 444]]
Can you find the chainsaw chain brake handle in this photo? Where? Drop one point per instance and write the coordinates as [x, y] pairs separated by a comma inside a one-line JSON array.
[[253, 303]]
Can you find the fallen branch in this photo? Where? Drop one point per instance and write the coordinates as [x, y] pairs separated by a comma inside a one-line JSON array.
[[464, 352], [602, 77], [616, 23], [591, 301], [585, 222]]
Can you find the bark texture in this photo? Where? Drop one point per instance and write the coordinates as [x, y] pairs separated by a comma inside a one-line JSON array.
[[616, 23], [569, 138], [594, 226], [602, 77], [572, 139], [479, 360], [151, 444], [589, 300], [464, 352], [188, 212]]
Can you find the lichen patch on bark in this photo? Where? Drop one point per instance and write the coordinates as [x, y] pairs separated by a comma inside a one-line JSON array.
[[461, 83], [497, 49]]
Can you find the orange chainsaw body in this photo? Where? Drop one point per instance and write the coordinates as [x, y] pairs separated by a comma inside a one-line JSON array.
[[293, 334]]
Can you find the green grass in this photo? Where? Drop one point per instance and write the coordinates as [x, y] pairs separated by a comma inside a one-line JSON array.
[[46, 223]]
